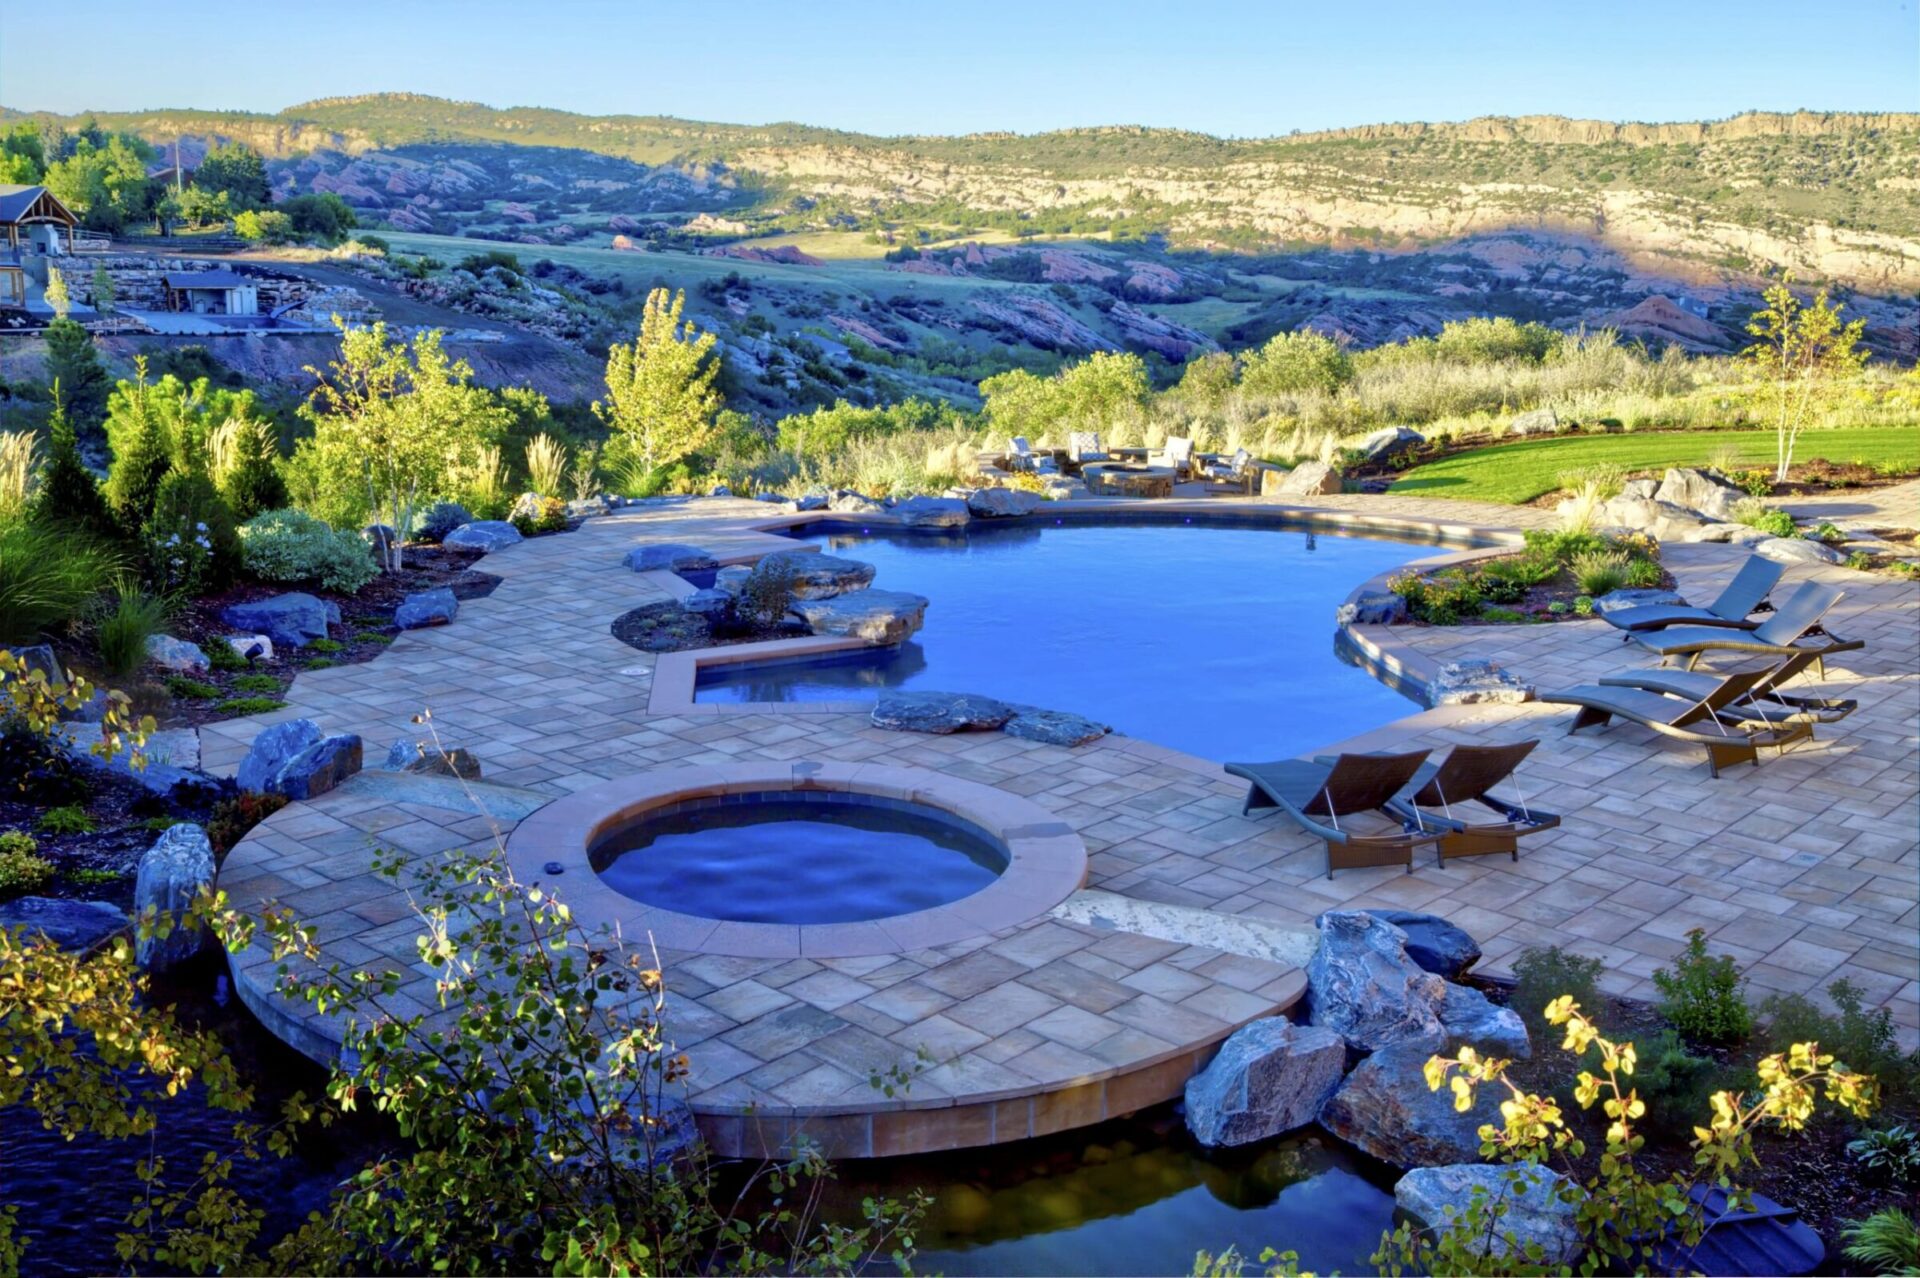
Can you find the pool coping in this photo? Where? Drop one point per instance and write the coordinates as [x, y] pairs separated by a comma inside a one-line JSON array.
[[1046, 859]]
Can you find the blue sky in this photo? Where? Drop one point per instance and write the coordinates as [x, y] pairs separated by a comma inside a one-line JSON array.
[[1242, 69]]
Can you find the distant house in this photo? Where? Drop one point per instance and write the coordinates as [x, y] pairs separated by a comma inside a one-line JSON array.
[[31, 220], [212, 293]]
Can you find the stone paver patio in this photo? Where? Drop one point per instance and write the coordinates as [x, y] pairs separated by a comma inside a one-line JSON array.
[[1805, 869]]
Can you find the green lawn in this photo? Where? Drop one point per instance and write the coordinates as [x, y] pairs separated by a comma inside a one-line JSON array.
[[1516, 473]]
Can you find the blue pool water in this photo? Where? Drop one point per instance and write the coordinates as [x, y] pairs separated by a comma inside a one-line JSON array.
[[798, 858], [1217, 640]]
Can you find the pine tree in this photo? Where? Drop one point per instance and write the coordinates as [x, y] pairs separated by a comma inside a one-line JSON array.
[[74, 365], [69, 495]]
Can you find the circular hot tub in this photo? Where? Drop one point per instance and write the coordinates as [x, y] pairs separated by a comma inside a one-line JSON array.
[[793, 859]]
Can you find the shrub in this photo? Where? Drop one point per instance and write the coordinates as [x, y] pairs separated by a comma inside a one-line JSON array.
[[222, 655], [1887, 1242], [47, 575], [1701, 994], [327, 645], [1642, 574], [1757, 514], [1542, 975], [257, 683], [232, 818], [1864, 1039], [1443, 599], [70, 818], [1599, 572], [69, 496], [1561, 547], [245, 457], [551, 517], [123, 630], [1890, 1153], [293, 546], [240, 707], [86, 876], [189, 539], [440, 519], [546, 464], [22, 868], [191, 689], [1583, 605], [1673, 1082], [1758, 483]]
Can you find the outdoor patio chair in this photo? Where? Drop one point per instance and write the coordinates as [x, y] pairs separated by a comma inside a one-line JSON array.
[[1021, 456], [1085, 446], [1239, 469], [1320, 795], [1706, 721], [1744, 594], [1437, 793], [1777, 636], [1178, 455], [1764, 704]]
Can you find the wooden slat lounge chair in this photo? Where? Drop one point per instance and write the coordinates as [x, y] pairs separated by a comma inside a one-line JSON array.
[[1778, 636], [1320, 795], [1438, 791], [1765, 704], [1745, 593], [1703, 721]]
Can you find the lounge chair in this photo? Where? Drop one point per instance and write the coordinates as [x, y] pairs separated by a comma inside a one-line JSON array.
[[1777, 636], [1021, 456], [1177, 455], [1240, 469], [1319, 795], [1705, 721], [1436, 793], [1744, 594], [1764, 704], [1085, 446]]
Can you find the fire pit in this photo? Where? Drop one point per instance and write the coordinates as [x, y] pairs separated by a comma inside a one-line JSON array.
[[1125, 479]]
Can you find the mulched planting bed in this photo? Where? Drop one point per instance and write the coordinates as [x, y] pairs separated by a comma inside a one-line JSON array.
[[100, 865], [667, 627]]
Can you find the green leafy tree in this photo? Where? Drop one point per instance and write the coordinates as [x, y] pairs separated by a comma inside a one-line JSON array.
[[105, 183], [74, 365], [204, 208], [1799, 352], [23, 155], [1295, 362], [1094, 394], [263, 226], [661, 403], [236, 171], [325, 216], [401, 418], [1208, 380]]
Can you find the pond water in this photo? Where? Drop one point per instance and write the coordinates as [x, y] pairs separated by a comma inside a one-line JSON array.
[[819, 857], [1215, 639]]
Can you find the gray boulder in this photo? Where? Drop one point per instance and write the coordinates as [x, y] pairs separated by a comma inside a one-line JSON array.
[[1270, 1078], [1644, 489], [850, 503], [172, 754], [1310, 479], [809, 501], [932, 512], [1734, 534], [425, 608], [732, 578], [251, 647], [1364, 987], [1389, 440], [1375, 608], [1433, 944], [1536, 1206], [808, 575], [1461, 683], [176, 655], [1701, 490], [292, 620], [1053, 727], [670, 556], [713, 604], [172, 873], [318, 768], [1621, 600], [1003, 503], [1540, 421], [271, 750], [431, 760], [1797, 550], [71, 925], [1472, 1020], [1666, 521], [39, 656], [484, 535], [878, 616], [1386, 1109], [938, 712]]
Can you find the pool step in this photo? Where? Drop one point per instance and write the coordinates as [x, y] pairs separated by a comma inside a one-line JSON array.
[[480, 798], [1288, 943]]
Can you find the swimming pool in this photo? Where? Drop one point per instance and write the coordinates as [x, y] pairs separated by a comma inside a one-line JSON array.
[[1214, 638]]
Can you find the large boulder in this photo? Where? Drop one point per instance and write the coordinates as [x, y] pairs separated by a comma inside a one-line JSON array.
[[851, 503], [732, 578], [808, 575], [1053, 727], [429, 759], [425, 608], [713, 604], [484, 535], [1641, 488], [938, 712], [318, 768], [808, 501], [1733, 534], [71, 925], [176, 655], [172, 873], [1003, 503], [878, 616], [1536, 1205], [1309, 479], [40, 657], [1664, 520], [172, 755], [1271, 1077], [292, 620], [1389, 440], [932, 512], [1433, 944], [1477, 682], [1700, 490], [1364, 987], [1621, 600], [1386, 1109], [1471, 1019], [1375, 608], [1797, 550], [1539, 421], [670, 556], [271, 750]]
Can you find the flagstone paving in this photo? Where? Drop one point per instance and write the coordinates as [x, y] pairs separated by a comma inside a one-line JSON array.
[[1805, 869]]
